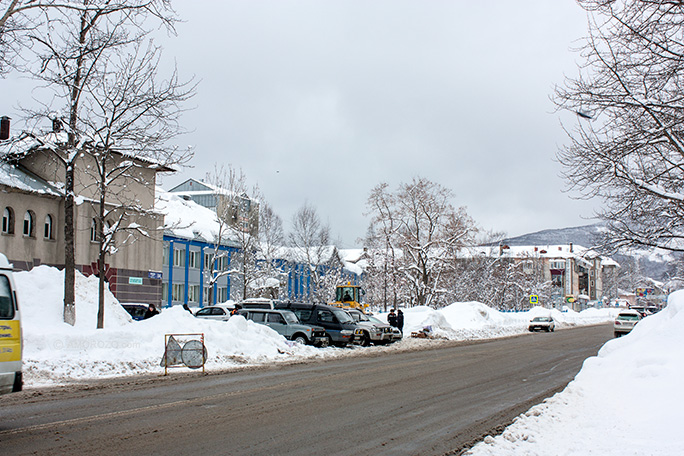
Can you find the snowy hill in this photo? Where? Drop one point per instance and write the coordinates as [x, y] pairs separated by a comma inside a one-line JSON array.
[[587, 236]]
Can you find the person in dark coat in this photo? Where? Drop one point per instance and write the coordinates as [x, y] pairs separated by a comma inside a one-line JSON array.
[[151, 312], [392, 318], [400, 320]]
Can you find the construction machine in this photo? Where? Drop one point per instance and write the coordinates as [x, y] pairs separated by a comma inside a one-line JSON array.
[[349, 296]]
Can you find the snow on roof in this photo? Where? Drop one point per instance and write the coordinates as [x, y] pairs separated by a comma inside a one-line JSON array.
[[189, 220], [14, 177], [22, 145]]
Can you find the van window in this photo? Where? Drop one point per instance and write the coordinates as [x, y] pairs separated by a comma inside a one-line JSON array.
[[6, 304]]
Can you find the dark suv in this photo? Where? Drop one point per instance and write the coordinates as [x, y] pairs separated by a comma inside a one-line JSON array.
[[340, 327]]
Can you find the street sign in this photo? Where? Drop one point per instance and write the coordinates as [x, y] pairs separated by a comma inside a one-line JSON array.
[[135, 280], [534, 299]]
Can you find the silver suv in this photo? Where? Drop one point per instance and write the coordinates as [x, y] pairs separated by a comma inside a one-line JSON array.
[[286, 323], [377, 333]]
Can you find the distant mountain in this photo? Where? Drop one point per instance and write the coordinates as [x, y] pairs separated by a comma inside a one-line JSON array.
[[586, 236]]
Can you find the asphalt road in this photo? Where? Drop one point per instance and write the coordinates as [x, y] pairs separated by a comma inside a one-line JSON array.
[[427, 402]]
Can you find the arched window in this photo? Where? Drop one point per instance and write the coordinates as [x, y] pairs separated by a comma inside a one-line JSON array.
[[8, 221], [48, 234], [29, 223], [93, 230]]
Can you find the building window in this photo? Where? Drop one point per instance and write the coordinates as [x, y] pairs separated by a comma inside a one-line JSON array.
[[194, 259], [208, 260], [29, 219], [179, 258], [193, 293], [8, 221], [165, 291], [47, 232], [207, 297], [222, 294], [222, 263], [165, 255], [93, 230], [177, 292]]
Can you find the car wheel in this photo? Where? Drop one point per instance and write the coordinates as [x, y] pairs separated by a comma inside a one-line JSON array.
[[330, 341], [300, 339], [365, 339]]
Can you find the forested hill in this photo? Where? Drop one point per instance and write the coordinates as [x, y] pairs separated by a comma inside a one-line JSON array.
[[586, 236]]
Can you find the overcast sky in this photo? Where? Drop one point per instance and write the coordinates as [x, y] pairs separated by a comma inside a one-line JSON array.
[[320, 101]]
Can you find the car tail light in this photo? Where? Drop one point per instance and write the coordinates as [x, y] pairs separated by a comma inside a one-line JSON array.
[[617, 323]]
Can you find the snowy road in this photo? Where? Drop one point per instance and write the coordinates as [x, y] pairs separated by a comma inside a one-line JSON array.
[[427, 402]]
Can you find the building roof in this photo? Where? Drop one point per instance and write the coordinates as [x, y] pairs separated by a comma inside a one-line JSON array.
[[13, 176]]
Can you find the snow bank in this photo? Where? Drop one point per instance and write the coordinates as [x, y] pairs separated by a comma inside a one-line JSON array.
[[473, 320], [55, 352], [626, 400]]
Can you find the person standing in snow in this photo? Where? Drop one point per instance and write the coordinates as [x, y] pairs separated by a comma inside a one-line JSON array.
[[400, 320], [392, 318]]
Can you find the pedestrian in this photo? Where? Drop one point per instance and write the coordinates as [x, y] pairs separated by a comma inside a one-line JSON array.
[[235, 310], [392, 318], [151, 311], [400, 320]]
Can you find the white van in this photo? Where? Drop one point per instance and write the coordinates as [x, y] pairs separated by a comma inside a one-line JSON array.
[[10, 331]]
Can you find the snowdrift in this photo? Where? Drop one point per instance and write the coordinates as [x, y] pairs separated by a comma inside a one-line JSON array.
[[56, 353], [626, 400]]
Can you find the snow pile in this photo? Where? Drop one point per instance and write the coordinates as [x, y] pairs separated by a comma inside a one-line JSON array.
[[56, 352], [626, 400], [473, 320]]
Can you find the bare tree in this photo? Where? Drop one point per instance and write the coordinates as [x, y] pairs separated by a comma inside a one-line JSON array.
[[628, 145], [78, 50], [421, 233], [310, 239], [271, 240], [238, 218], [383, 266]]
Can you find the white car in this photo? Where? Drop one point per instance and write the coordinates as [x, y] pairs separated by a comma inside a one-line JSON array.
[[218, 312], [542, 324], [625, 322]]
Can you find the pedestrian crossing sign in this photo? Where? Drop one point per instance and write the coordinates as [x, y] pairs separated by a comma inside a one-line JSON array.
[[534, 299]]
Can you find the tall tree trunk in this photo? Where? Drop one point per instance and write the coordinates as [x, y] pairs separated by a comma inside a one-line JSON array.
[[69, 253]]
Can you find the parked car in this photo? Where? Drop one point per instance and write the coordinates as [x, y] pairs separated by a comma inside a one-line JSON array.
[[376, 333], [542, 324], [258, 303], [625, 322], [395, 333], [286, 323], [340, 327], [217, 312]]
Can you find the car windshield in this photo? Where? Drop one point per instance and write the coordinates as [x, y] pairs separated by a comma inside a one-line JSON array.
[[541, 319], [343, 317], [290, 317], [375, 320], [628, 317]]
